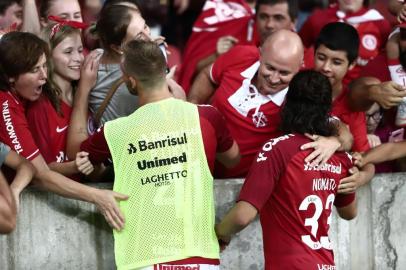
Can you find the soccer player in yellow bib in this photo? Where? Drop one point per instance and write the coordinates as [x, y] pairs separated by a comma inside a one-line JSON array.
[[163, 156]]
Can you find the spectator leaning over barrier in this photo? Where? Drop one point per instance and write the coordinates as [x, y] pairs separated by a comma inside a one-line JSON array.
[[336, 49], [295, 200], [383, 82], [163, 156], [10, 196], [248, 86], [23, 73], [48, 117]]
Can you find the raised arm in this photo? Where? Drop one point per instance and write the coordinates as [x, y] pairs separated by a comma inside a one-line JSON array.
[[367, 90], [203, 88], [30, 17], [77, 132]]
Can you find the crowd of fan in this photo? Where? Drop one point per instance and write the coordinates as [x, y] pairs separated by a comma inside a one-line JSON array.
[[61, 80]]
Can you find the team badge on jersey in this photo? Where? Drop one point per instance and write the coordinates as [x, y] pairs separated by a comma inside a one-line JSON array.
[[369, 42]]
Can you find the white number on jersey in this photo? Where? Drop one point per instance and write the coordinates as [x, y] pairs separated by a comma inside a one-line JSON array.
[[313, 222]]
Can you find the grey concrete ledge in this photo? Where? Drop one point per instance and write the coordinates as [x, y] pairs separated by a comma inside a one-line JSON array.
[[58, 233]]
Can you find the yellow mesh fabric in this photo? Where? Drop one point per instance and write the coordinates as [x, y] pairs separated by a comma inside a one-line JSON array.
[[159, 161]]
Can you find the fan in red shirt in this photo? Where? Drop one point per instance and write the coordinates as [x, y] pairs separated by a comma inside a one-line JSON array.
[[223, 24], [23, 68], [386, 89], [248, 86], [48, 118], [293, 198], [372, 28], [336, 51]]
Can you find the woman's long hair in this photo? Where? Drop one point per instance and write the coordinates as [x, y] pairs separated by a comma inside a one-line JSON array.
[[51, 90]]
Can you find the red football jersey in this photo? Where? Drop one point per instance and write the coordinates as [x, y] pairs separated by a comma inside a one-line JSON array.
[[218, 18], [251, 117], [372, 28], [49, 129], [216, 138], [356, 121], [14, 130], [294, 201]]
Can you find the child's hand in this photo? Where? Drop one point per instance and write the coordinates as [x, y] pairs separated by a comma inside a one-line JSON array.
[[83, 163], [358, 159]]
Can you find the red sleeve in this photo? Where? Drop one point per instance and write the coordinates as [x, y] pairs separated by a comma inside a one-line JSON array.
[[262, 177], [216, 136], [14, 129], [358, 128], [378, 68], [237, 56], [38, 123], [343, 200], [96, 146]]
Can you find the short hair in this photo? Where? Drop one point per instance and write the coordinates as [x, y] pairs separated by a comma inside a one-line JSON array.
[[144, 61], [293, 6], [5, 4], [19, 53], [338, 36], [308, 104]]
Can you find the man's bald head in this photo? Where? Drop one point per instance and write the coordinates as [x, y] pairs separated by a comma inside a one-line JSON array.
[[281, 58], [286, 45]]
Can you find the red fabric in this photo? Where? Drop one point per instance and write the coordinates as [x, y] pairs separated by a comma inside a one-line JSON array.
[[372, 34], [278, 185], [377, 68], [356, 121], [49, 129], [250, 137], [218, 18], [216, 138], [14, 130]]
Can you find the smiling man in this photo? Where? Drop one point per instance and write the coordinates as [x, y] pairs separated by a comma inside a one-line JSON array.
[[248, 85]]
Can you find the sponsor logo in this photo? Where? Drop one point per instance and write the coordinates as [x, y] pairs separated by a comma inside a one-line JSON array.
[[59, 130], [324, 167], [145, 145], [326, 267], [369, 42], [156, 162], [131, 149], [178, 267], [10, 128]]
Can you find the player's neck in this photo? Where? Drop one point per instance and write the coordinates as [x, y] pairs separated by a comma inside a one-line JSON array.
[[150, 96]]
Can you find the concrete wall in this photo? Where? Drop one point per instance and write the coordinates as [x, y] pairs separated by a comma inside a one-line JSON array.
[[58, 233]]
